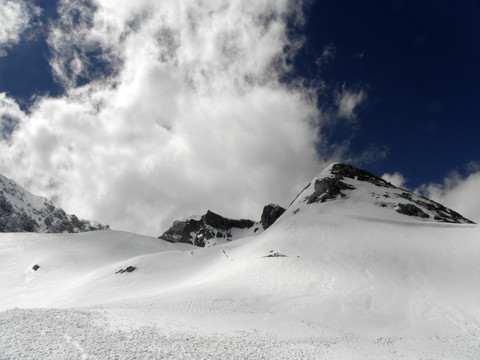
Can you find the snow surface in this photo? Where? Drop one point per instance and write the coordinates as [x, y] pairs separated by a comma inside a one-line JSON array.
[[349, 288], [357, 282]]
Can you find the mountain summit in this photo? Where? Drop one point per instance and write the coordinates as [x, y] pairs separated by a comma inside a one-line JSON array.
[[342, 182], [21, 211], [352, 189]]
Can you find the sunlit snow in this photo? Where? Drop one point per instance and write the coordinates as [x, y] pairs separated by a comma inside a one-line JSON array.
[[358, 282]]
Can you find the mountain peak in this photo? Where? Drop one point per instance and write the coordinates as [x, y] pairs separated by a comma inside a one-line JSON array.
[[344, 182]]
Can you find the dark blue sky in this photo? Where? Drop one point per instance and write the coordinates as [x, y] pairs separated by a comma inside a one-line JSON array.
[[25, 71], [418, 61]]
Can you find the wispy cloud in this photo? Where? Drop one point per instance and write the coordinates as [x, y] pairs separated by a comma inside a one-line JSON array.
[[187, 113], [396, 179], [15, 17], [347, 102]]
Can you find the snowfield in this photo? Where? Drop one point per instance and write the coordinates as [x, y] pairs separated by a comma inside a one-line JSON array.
[[355, 282]]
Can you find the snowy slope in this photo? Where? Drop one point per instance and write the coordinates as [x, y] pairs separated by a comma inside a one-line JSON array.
[[342, 279], [21, 211]]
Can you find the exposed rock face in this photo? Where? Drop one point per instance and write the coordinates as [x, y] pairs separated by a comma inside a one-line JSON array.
[[21, 211], [209, 226], [342, 181], [270, 214]]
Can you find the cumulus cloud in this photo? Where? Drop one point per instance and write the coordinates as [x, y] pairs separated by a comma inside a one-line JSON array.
[[347, 101], [171, 108], [396, 179], [457, 192], [15, 16]]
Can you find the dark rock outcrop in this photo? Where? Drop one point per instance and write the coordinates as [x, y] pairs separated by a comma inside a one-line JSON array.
[[201, 230], [209, 226], [270, 214], [328, 189]]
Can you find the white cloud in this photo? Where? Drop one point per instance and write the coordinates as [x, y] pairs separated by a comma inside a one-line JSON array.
[[15, 16], [190, 116], [396, 179], [347, 101], [458, 193]]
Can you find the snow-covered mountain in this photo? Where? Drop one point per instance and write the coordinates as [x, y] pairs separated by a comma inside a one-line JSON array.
[[344, 273], [344, 182], [212, 229], [21, 211], [339, 182]]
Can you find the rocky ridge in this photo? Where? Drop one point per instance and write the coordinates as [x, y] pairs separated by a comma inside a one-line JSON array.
[[211, 228], [21, 211]]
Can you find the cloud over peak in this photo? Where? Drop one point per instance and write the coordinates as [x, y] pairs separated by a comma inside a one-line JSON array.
[[170, 107], [396, 179], [458, 192]]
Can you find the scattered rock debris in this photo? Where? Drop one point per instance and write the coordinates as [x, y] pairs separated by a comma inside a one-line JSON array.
[[127, 269], [274, 254]]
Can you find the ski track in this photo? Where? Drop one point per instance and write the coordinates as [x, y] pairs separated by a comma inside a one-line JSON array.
[[87, 334]]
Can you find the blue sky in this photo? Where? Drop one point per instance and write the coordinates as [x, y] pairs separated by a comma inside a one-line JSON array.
[[418, 62], [154, 96]]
